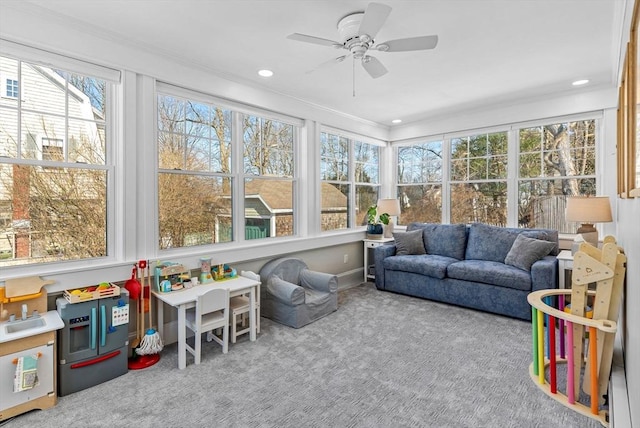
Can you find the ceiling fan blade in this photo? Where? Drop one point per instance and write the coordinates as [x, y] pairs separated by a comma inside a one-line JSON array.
[[373, 67], [328, 63], [409, 44], [315, 40], [374, 17]]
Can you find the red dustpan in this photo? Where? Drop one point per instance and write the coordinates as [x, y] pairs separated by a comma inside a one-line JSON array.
[[133, 285]]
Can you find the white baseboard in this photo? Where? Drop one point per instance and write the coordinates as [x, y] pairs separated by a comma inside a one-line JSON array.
[[619, 408], [350, 278]]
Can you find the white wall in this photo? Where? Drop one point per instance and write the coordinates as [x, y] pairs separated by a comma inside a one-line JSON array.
[[628, 223]]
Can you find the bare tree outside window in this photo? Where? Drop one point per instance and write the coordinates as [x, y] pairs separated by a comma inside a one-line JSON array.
[[196, 179], [420, 182], [555, 161], [478, 179], [194, 183]]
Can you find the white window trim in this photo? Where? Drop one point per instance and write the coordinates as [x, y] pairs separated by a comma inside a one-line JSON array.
[[76, 270], [56, 61]]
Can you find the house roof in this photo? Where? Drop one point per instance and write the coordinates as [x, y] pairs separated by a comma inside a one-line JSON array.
[[276, 194]]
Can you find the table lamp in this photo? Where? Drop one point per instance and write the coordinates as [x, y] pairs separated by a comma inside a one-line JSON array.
[[588, 210], [392, 208]]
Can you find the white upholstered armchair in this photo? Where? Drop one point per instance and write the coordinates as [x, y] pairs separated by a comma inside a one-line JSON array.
[[293, 295]]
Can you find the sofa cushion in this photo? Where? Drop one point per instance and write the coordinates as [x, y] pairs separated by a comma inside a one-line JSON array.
[[448, 240], [488, 272], [493, 243], [409, 243], [429, 265], [526, 251]]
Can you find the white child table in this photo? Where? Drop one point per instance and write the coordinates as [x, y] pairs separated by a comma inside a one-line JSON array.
[[186, 298]]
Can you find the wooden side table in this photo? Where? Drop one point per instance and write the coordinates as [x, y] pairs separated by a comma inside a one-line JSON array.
[[368, 245], [565, 263]]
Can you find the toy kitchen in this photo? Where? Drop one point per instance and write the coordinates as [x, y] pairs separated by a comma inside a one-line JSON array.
[[27, 347], [94, 342], [46, 354]]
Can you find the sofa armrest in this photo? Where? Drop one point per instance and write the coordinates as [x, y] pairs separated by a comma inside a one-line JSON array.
[[319, 281], [379, 254], [544, 273], [285, 292]]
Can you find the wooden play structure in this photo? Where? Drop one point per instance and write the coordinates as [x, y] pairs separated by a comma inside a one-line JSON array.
[[581, 323]]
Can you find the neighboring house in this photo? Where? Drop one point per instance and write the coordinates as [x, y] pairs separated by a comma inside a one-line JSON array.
[[57, 123], [269, 212]]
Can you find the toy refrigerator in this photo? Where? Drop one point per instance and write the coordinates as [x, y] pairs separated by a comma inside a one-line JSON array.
[[93, 344]]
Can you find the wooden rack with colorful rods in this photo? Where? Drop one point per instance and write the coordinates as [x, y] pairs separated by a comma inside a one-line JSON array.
[[587, 357]]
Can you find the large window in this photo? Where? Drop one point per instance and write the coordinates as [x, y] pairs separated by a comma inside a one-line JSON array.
[[194, 179], [538, 167], [555, 161], [54, 164], [478, 169], [268, 147], [197, 148], [420, 182], [350, 177]]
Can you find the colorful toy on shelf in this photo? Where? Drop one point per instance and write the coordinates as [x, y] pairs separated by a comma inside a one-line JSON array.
[[205, 270], [222, 272]]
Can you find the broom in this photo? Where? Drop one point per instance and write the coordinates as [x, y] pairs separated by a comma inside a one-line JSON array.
[[151, 342]]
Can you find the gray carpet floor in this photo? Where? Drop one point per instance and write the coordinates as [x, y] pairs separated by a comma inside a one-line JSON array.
[[381, 360]]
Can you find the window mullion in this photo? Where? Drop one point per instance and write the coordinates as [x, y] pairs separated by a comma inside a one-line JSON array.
[[237, 171]]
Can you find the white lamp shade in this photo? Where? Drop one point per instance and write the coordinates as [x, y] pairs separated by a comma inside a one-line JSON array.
[[389, 206], [585, 209]]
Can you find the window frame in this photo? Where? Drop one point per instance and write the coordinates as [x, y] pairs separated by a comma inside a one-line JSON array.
[[513, 151], [237, 174], [444, 173], [597, 153], [111, 122], [354, 219]]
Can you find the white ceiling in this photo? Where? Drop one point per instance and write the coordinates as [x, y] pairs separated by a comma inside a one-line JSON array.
[[489, 51]]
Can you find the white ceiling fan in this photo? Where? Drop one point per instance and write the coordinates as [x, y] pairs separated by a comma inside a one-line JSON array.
[[357, 33]]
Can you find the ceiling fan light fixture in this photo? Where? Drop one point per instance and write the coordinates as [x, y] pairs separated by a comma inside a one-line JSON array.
[[357, 32]]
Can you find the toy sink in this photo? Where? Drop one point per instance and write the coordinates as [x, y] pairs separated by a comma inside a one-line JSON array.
[[16, 326], [32, 326]]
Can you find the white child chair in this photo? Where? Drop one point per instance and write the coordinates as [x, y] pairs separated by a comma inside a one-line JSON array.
[[211, 312], [239, 308]]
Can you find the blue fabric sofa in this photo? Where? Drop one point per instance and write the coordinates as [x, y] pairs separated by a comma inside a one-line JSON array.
[[465, 265]]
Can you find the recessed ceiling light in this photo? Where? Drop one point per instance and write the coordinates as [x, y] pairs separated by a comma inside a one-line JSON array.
[[265, 73], [396, 121], [580, 82]]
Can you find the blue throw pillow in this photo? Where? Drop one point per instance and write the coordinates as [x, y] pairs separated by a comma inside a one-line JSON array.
[[409, 243], [490, 243], [526, 251], [448, 240]]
